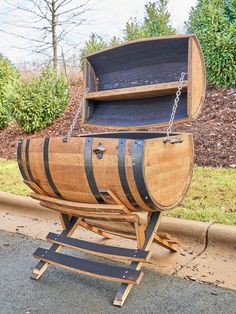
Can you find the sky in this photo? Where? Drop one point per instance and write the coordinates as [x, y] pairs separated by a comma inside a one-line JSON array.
[[107, 19]]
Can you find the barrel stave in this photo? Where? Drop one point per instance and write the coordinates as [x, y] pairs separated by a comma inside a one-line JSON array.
[[144, 174], [168, 170]]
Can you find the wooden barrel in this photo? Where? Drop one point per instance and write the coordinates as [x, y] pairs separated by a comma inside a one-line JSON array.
[[143, 171]]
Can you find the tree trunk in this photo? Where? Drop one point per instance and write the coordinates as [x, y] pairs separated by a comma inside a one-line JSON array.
[[54, 37]]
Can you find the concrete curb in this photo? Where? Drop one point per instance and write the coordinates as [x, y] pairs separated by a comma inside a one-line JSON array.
[[182, 228], [205, 233], [9, 200], [221, 235]]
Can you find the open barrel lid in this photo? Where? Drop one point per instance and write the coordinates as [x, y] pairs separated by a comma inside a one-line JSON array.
[[134, 85]]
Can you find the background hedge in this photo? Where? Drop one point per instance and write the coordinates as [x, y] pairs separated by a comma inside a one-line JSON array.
[[36, 103], [214, 22], [9, 77]]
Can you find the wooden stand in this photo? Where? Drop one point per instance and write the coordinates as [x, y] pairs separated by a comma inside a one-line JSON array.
[[74, 215]]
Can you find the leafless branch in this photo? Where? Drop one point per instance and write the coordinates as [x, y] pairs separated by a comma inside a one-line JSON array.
[[74, 8], [23, 37], [18, 7], [62, 4], [52, 20]]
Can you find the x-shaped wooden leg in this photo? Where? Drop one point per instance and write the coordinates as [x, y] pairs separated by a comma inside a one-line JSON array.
[[149, 236]]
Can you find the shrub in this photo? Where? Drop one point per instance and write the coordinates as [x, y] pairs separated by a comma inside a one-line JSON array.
[[115, 41], [134, 30], [214, 22], [8, 78], [156, 22], [93, 44], [36, 103], [4, 117]]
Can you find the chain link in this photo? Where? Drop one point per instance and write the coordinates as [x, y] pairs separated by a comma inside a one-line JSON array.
[[175, 106], [76, 117]]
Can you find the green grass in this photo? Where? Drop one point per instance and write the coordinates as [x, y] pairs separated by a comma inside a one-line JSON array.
[[10, 178], [211, 197]]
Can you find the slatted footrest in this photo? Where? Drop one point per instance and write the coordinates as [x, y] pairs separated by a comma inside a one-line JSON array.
[[90, 268], [100, 249]]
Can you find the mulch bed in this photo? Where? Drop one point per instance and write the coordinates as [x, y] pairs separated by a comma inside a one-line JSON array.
[[214, 130]]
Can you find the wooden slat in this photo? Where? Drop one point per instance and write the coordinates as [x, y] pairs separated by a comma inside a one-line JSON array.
[[166, 244], [125, 228], [89, 268], [90, 214], [34, 187], [94, 229], [149, 236], [137, 92], [42, 266], [109, 194], [140, 40], [197, 76], [173, 171], [99, 249], [76, 205]]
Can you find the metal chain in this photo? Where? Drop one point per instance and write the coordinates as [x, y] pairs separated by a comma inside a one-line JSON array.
[[76, 117], [175, 106]]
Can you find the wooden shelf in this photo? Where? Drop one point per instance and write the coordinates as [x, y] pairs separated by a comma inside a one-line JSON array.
[[137, 92], [86, 267]]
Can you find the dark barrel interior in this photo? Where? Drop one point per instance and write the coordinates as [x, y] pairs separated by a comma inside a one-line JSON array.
[[139, 63], [139, 112], [129, 135]]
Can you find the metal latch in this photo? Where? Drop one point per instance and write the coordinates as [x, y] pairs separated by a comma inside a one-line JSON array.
[[175, 140], [99, 151]]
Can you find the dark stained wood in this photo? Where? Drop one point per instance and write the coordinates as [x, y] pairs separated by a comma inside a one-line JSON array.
[[130, 135], [99, 249], [140, 63], [141, 74], [100, 270], [20, 161], [47, 167], [149, 236], [65, 221], [137, 112], [42, 266], [88, 164]]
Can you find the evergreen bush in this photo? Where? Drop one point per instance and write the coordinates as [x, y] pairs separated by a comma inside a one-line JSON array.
[[36, 103], [214, 22], [9, 76]]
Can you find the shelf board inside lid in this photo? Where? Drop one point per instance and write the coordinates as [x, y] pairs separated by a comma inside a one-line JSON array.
[[137, 92]]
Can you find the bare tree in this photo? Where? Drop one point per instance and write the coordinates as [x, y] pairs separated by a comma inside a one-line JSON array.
[[47, 23]]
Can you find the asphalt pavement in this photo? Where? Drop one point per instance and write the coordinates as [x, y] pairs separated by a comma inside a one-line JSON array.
[[64, 292]]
